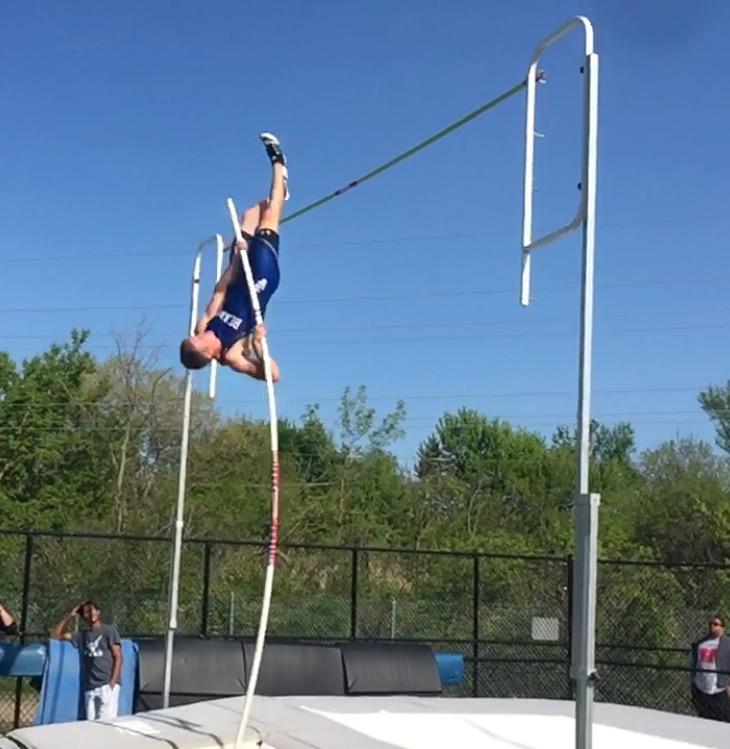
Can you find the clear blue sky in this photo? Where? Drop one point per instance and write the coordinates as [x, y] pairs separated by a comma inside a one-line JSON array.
[[127, 125]]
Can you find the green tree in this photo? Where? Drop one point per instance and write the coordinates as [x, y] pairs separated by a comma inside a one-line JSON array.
[[613, 473], [684, 511], [715, 402], [369, 481], [141, 414], [482, 476], [612, 451], [53, 467]]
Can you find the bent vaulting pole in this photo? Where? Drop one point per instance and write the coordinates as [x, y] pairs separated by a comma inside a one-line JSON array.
[[174, 584], [274, 531], [582, 666]]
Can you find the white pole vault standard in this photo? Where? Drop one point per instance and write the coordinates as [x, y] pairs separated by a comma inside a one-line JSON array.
[[274, 535], [174, 584], [219, 247], [586, 505]]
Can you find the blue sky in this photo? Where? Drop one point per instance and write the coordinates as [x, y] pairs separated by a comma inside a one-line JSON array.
[[127, 125]]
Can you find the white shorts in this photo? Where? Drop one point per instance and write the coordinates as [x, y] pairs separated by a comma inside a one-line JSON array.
[[102, 702]]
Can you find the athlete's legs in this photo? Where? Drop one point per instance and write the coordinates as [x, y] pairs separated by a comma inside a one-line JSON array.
[[272, 209], [251, 217]]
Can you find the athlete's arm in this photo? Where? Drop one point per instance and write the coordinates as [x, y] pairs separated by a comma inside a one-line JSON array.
[[219, 294], [239, 362]]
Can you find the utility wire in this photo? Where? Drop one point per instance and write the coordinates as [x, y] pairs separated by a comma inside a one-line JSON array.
[[416, 325], [391, 297]]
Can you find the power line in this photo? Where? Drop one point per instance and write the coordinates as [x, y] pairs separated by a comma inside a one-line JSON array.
[[414, 396], [388, 297], [419, 325], [390, 240], [560, 415], [434, 339]]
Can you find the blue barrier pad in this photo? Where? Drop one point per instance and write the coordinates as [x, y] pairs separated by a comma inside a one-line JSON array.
[[451, 667], [61, 699], [22, 660]]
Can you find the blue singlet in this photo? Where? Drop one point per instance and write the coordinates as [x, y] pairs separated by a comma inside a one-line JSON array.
[[236, 318]]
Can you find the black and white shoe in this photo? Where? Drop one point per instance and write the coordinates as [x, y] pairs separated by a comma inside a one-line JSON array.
[[276, 156], [273, 148]]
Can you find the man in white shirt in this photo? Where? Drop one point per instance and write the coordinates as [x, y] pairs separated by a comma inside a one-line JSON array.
[[710, 672]]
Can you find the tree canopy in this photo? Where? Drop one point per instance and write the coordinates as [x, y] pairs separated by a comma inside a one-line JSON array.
[[88, 444]]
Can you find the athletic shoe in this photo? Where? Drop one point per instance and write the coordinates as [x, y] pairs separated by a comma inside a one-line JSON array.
[[273, 148], [276, 155]]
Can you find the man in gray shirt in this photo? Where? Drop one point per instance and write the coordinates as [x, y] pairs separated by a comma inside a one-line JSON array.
[[101, 657], [710, 661]]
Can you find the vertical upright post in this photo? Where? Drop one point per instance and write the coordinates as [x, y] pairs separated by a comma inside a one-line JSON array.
[[219, 248], [569, 584], [586, 510], [353, 593], [231, 613], [586, 504], [475, 626], [174, 583], [205, 607], [27, 568], [24, 608]]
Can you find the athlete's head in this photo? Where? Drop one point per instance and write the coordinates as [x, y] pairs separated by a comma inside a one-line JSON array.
[[199, 349]]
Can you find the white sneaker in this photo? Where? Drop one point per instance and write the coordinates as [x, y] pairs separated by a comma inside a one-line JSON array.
[[273, 148], [276, 155]]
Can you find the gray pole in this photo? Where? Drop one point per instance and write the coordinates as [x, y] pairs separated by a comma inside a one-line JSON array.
[[586, 508], [582, 669], [231, 613]]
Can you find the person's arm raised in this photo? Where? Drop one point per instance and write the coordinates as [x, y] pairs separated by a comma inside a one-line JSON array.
[[219, 292]]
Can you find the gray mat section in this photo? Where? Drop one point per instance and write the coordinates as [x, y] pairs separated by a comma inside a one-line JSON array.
[[286, 723]]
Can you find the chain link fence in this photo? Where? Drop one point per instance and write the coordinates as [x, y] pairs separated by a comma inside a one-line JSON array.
[[508, 615]]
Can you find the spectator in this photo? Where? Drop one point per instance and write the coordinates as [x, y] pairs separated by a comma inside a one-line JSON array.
[[101, 660], [8, 625], [711, 673]]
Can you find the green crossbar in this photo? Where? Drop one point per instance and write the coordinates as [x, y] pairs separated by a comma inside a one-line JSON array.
[[401, 157]]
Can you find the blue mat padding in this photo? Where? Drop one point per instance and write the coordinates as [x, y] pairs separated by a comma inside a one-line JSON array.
[[22, 660], [61, 699], [451, 667]]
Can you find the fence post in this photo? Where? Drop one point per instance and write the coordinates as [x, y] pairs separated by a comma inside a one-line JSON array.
[[475, 627], [206, 590], [353, 594], [570, 570], [23, 621]]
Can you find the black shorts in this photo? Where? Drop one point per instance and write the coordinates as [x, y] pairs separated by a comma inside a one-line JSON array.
[[711, 706], [267, 237]]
